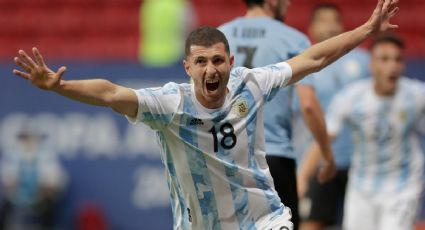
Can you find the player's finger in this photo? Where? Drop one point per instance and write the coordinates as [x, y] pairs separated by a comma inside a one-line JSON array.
[[393, 12], [385, 6], [61, 71], [392, 6], [38, 58], [321, 177], [392, 26], [394, 2], [380, 4], [22, 74], [24, 56], [22, 64]]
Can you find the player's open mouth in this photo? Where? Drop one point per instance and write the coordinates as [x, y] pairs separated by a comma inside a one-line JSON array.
[[212, 84]]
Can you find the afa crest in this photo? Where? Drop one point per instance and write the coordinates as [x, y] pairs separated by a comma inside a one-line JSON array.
[[241, 107]]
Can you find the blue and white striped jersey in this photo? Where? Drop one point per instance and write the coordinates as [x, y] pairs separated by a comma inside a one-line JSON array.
[[387, 155], [260, 41], [215, 158]]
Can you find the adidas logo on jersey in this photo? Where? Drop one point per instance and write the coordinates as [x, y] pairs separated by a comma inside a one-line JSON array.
[[196, 121]]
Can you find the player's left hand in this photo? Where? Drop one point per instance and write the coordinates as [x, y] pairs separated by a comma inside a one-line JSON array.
[[326, 172], [380, 19]]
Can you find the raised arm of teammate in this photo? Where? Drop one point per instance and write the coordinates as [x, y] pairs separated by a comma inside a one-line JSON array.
[[324, 53], [94, 92]]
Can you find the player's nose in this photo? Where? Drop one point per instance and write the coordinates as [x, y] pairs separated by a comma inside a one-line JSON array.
[[210, 69]]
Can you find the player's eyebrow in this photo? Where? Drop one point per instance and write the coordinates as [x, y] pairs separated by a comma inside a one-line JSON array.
[[218, 56], [200, 58]]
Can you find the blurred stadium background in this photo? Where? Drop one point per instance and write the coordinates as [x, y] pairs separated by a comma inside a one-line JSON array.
[[114, 171]]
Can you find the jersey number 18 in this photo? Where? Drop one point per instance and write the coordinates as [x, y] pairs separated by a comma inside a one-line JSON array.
[[229, 138]]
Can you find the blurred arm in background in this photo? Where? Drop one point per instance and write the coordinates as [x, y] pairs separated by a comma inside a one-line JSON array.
[[314, 120]]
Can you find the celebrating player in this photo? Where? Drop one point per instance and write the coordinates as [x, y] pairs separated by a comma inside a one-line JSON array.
[[211, 132]]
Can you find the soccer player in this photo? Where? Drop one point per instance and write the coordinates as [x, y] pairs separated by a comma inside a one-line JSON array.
[[211, 132], [252, 39], [386, 173], [326, 199]]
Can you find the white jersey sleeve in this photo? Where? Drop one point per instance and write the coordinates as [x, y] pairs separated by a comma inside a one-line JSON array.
[[337, 113], [157, 106], [272, 77]]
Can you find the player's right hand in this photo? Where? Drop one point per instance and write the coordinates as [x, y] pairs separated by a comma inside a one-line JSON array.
[[37, 71], [326, 172]]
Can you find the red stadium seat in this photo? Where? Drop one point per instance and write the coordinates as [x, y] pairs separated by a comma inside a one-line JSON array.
[[73, 24]]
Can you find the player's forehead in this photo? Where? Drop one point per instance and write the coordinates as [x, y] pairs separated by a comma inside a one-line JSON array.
[[386, 48], [217, 49], [324, 14]]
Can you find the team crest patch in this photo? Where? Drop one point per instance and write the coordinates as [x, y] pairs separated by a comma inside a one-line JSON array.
[[241, 107]]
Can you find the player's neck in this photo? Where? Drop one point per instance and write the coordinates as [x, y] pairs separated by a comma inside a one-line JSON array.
[[258, 11], [382, 92], [211, 103]]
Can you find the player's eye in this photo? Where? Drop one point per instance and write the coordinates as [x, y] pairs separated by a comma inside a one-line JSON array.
[[385, 58], [218, 60], [200, 61]]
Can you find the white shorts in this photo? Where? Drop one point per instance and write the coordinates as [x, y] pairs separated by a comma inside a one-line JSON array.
[[381, 211]]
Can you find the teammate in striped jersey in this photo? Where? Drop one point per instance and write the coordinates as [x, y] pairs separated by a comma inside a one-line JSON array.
[[211, 132], [385, 113]]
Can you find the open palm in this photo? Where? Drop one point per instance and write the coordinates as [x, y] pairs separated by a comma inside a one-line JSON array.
[[37, 71]]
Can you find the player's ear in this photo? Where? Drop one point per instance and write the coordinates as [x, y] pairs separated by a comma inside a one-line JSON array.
[[186, 65], [310, 31], [231, 61]]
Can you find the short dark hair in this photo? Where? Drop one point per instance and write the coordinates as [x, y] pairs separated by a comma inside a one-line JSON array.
[[251, 3], [388, 38], [206, 36], [324, 5]]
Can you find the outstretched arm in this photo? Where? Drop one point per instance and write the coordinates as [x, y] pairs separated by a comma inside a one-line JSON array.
[[314, 119], [94, 92], [322, 54]]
